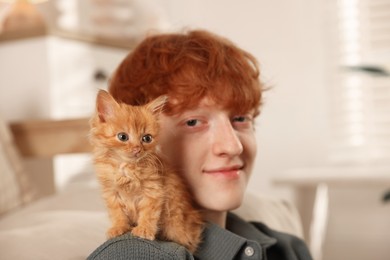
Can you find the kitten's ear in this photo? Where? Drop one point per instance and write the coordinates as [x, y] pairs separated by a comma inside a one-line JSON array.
[[158, 104], [105, 105]]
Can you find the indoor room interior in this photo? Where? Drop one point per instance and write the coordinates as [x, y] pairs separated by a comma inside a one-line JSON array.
[[323, 166]]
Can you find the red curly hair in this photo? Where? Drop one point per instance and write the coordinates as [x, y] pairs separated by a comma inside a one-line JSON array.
[[188, 67]]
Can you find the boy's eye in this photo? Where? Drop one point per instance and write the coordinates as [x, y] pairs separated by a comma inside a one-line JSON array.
[[245, 121], [192, 122], [147, 138], [240, 119], [123, 137]]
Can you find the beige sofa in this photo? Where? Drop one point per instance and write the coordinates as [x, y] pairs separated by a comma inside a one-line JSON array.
[[71, 223]]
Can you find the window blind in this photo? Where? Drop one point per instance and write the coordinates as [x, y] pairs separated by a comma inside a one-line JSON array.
[[359, 41]]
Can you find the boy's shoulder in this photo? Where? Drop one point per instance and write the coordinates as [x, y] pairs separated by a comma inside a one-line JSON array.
[[128, 246]]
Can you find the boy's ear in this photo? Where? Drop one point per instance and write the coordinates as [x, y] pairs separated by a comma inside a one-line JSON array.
[[105, 105], [157, 105]]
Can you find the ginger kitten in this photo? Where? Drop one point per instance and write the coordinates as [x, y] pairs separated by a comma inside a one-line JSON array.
[[142, 194]]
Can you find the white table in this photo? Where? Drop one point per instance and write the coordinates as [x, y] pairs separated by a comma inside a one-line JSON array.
[[343, 214]]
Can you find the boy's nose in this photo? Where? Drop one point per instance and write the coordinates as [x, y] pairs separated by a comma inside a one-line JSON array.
[[226, 141]]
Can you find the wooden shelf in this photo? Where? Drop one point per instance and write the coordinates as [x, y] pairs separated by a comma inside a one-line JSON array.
[[122, 43], [47, 138], [22, 34]]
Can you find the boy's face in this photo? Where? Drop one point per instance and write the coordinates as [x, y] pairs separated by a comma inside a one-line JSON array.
[[214, 150]]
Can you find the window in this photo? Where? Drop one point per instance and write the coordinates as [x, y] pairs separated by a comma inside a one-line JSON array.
[[359, 40]]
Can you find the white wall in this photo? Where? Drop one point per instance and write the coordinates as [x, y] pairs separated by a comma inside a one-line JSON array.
[[287, 39], [24, 84]]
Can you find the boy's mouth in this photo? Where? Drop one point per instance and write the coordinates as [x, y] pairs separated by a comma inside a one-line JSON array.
[[230, 172]]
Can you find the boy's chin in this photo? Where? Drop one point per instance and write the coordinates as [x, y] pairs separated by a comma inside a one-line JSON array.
[[227, 205]]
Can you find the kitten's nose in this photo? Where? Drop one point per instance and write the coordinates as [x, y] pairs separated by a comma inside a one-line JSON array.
[[136, 150]]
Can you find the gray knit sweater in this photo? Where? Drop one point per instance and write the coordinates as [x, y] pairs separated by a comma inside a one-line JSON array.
[[240, 240]]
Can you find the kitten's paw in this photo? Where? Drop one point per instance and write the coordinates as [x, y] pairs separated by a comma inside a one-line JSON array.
[[117, 231], [143, 233]]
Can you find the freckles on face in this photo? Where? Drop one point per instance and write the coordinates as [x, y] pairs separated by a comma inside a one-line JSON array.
[[214, 150]]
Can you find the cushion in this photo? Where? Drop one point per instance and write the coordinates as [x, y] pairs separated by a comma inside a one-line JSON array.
[[14, 185], [278, 214], [67, 225]]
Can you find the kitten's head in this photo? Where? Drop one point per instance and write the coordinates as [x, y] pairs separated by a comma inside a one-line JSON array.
[[127, 131]]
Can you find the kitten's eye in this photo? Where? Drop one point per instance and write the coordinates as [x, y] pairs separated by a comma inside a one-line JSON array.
[[147, 138], [123, 137]]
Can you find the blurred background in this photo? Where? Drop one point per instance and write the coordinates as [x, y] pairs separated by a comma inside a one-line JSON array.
[[324, 131]]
